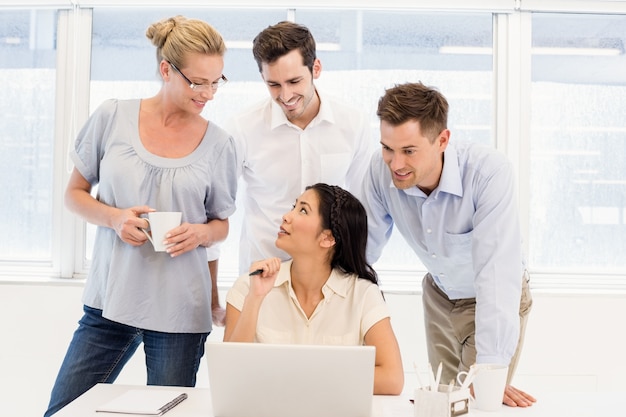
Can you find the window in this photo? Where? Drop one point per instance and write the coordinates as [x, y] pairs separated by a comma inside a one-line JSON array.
[[364, 52], [578, 143], [573, 200], [27, 66], [119, 36], [350, 47]]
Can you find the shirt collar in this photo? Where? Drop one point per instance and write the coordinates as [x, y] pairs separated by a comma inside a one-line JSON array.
[[278, 117], [450, 181], [284, 274], [336, 283]]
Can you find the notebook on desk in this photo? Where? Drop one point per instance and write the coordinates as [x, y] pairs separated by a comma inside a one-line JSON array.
[[271, 380]]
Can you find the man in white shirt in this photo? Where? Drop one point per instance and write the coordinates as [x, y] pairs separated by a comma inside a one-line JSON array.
[[295, 138], [454, 203]]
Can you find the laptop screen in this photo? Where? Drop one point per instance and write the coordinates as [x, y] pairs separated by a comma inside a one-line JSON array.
[[273, 380]]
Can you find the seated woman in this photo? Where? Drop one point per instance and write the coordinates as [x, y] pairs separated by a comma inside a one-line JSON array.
[[326, 294]]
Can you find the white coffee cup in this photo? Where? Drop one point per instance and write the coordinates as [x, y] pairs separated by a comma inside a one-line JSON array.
[[489, 383], [161, 222]]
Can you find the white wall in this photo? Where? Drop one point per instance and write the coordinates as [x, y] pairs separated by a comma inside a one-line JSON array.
[[573, 343]]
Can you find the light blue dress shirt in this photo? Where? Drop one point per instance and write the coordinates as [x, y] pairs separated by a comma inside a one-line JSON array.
[[466, 233]]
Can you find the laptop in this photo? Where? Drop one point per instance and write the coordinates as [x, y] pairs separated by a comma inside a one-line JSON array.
[[286, 380]]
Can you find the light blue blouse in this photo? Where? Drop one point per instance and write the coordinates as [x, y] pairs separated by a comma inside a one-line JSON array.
[[136, 285], [466, 233]]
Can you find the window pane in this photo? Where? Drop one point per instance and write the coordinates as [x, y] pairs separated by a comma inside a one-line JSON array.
[[578, 143], [124, 66], [27, 66], [358, 64], [364, 52]]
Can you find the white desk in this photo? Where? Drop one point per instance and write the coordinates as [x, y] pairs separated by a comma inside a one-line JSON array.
[[198, 404]]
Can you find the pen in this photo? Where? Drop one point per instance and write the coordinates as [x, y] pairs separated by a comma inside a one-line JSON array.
[[451, 385], [438, 377], [431, 378], [257, 272], [417, 373]]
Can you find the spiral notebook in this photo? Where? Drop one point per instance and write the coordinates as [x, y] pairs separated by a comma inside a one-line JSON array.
[[144, 402]]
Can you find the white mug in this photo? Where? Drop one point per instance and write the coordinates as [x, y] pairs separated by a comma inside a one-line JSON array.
[[489, 383], [161, 222]]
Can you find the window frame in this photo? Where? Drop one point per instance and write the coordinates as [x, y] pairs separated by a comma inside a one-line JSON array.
[[511, 121]]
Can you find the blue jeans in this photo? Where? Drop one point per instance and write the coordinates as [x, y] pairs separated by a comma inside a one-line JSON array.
[[100, 348]]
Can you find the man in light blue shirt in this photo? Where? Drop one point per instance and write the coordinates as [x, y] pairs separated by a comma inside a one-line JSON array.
[[455, 205]]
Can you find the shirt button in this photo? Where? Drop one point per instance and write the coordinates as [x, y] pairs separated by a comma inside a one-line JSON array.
[[433, 256], [429, 230]]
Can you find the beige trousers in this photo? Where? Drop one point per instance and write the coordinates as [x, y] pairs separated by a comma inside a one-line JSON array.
[[450, 329]]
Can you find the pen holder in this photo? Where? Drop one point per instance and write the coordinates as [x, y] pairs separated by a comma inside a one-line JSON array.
[[441, 403]]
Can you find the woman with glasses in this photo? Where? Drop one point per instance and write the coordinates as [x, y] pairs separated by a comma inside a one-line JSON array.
[[326, 294], [151, 154]]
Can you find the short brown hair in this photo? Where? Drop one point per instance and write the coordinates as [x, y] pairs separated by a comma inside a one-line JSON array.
[[280, 39], [415, 101]]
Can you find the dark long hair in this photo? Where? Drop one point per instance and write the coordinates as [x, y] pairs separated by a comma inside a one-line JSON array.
[[344, 215]]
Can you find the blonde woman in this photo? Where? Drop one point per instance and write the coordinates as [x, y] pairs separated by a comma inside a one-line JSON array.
[[156, 153]]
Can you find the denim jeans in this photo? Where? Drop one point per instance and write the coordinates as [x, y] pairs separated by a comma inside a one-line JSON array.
[[100, 348]]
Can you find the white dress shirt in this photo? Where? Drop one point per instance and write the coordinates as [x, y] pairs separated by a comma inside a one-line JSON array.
[[278, 160], [466, 232]]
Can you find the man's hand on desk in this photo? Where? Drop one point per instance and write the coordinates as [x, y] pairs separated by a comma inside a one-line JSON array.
[[514, 397]]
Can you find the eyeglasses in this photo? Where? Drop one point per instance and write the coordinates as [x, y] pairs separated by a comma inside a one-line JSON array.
[[202, 87]]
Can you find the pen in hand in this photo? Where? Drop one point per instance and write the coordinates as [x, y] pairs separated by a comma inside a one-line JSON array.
[[256, 272]]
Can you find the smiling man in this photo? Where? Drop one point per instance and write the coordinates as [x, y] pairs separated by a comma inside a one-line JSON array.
[[454, 204], [295, 138]]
